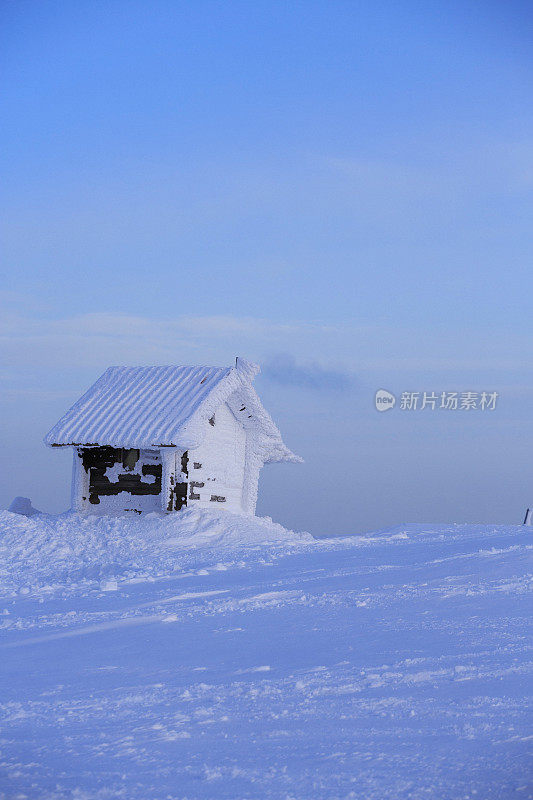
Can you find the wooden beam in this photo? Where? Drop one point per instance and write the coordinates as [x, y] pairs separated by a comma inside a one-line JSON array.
[[168, 478], [79, 493]]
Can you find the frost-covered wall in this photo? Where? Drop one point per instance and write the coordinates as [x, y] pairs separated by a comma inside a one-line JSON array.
[[223, 470], [107, 480], [216, 467]]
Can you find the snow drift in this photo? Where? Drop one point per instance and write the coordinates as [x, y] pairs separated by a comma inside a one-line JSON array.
[[41, 551], [210, 656]]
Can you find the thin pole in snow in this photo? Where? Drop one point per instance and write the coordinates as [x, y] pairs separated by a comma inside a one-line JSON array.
[[527, 517]]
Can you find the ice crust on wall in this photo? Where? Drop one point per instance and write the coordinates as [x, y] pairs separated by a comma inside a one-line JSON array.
[[222, 459]]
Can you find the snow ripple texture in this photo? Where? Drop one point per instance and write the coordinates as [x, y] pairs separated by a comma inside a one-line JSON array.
[[208, 655]]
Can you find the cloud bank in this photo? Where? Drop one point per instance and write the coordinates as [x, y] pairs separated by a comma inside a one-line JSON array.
[[284, 370]]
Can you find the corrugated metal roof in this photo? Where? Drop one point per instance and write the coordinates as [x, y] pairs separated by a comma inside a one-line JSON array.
[[140, 406], [169, 406]]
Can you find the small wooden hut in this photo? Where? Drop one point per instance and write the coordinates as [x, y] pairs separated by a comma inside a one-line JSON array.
[[161, 438]]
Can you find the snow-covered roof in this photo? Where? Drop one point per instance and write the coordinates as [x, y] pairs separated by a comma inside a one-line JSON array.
[[167, 406]]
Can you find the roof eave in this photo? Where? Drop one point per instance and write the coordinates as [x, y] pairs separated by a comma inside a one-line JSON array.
[[280, 453]]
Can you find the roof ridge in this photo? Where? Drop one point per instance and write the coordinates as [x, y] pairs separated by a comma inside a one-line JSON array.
[[161, 406], [167, 366]]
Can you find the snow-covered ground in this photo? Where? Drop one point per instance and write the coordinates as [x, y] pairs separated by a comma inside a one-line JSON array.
[[206, 655]]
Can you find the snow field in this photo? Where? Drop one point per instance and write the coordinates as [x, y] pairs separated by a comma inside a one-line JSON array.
[[208, 655]]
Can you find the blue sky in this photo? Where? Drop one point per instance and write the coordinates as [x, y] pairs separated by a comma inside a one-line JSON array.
[[340, 190]]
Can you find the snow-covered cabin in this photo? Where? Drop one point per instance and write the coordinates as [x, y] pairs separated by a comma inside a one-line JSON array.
[[160, 438]]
